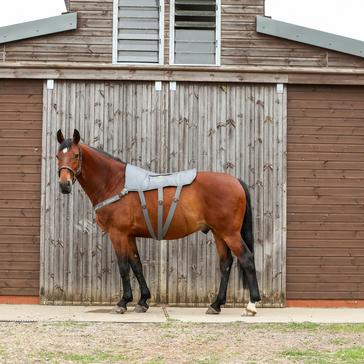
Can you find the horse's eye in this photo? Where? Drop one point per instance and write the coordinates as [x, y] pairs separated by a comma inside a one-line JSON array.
[[76, 156], [57, 157]]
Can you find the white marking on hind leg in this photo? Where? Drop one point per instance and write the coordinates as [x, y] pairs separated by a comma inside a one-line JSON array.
[[250, 310]]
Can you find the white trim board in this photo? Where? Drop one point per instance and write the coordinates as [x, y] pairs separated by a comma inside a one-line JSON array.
[[36, 28], [309, 36]]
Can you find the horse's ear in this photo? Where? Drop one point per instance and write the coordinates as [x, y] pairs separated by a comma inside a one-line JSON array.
[[76, 136], [60, 136]]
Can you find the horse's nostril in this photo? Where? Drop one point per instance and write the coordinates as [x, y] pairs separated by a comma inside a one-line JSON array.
[[66, 187]]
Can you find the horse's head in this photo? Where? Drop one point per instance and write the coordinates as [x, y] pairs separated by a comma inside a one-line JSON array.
[[69, 160]]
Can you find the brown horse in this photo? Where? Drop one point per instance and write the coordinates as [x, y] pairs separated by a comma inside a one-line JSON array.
[[214, 201]]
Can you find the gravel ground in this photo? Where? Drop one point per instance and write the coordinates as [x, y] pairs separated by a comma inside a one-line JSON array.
[[175, 342]]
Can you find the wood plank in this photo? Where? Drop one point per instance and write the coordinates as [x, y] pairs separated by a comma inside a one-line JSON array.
[[314, 209], [26, 212], [21, 274], [325, 270], [18, 177], [20, 118], [334, 295], [319, 252], [325, 226], [330, 148], [19, 186], [328, 261], [323, 234], [23, 221], [328, 287], [325, 174], [330, 278], [327, 217], [23, 291], [330, 182], [327, 243]]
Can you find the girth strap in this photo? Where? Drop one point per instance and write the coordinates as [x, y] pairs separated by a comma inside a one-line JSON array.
[[172, 210], [146, 214], [162, 230], [160, 213]]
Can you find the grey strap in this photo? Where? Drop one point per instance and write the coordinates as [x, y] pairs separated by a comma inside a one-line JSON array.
[[111, 200], [160, 213], [146, 214], [172, 210]]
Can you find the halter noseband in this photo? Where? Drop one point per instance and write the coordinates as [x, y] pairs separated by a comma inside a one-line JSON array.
[[74, 173]]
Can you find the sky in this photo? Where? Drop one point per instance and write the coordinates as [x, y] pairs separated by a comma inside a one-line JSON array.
[[30, 10], [333, 16]]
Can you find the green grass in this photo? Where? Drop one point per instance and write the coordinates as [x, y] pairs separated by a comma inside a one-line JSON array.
[[351, 355], [309, 326], [306, 355], [354, 355]]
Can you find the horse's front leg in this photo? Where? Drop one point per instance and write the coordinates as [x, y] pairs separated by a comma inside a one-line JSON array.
[[122, 248], [136, 266]]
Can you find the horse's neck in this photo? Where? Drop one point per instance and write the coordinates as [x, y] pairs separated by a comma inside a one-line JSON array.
[[101, 176]]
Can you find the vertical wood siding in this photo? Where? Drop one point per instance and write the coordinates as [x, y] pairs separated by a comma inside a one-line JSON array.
[[237, 129]]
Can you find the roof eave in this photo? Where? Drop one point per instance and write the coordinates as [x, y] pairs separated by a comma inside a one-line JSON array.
[[310, 36], [36, 28]]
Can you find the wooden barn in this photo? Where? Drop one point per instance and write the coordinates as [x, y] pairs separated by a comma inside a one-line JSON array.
[[170, 85]]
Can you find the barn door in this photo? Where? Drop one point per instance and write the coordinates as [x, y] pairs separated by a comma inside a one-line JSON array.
[[20, 154], [237, 129]]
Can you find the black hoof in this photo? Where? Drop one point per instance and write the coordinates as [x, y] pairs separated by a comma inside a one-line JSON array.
[[140, 309], [119, 310], [212, 311]]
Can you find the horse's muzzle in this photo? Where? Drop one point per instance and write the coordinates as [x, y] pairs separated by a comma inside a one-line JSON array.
[[66, 187]]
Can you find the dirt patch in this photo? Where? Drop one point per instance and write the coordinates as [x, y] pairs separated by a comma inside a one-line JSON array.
[[175, 342]]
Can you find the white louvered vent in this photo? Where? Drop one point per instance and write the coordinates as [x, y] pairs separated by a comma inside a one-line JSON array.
[[138, 31], [195, 31]]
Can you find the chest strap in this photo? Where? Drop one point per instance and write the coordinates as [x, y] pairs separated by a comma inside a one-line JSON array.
[[162, 229], [111, 200]]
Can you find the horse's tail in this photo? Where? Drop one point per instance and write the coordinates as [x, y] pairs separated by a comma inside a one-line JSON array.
[[246, 231]]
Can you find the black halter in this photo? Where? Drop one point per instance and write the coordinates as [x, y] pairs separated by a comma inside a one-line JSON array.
[[74, 173]]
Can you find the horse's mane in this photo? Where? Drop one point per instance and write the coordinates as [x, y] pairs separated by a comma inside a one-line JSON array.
[[107, 154]]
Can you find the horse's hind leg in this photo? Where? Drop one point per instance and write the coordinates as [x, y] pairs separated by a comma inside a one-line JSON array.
[[247, 264], [137, 268], [226, 261]]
